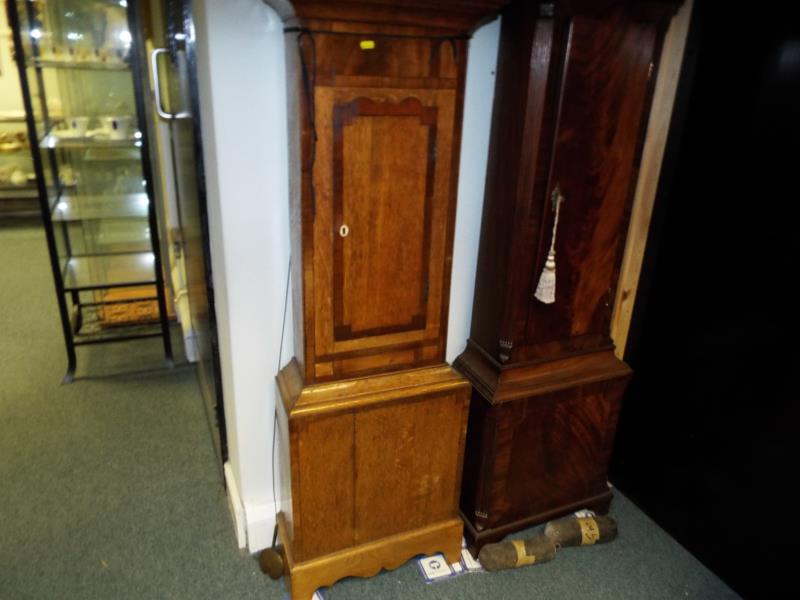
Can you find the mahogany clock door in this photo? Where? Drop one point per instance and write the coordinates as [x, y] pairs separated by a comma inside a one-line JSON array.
[[382, 187], [605, 91]]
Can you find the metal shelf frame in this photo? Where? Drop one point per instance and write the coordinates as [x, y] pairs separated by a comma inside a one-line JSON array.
[[72, 275]]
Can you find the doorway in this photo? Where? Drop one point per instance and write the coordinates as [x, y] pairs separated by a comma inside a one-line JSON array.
[[167, 36]]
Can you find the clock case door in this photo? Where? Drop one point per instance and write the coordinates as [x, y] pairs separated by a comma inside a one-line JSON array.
[[379, 199], [582, 90]]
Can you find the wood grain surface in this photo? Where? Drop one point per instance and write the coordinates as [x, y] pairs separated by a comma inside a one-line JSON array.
[[382, 195], [604, 93], [649, 173], [453, 17], [372, 457], [379, 133], [574, 88], [539, 440], [573, 93], [366, 560]]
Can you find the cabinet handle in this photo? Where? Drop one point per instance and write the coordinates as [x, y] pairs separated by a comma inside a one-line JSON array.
[[168, 116], [344, 230], [546, 288]]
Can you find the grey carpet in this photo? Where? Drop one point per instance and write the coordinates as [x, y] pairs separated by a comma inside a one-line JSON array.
[[110, 488]]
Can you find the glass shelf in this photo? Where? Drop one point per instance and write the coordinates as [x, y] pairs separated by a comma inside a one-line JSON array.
[[95, 322], [18, 191], [106, 237], [85, 208], [84, 65], [52, 140], [94, 334], [116, 270], [130, 152]]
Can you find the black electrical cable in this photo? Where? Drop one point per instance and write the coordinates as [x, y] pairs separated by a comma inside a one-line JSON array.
[[275, 417]]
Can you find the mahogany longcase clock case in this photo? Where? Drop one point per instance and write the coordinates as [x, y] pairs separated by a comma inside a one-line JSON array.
[[572, 99], [372, 420]]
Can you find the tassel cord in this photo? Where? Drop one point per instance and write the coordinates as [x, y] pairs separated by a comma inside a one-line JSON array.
[[558, 202]]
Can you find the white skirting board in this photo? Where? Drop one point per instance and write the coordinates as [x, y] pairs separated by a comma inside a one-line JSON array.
[[235, 504], [254, 523], [260, 525]]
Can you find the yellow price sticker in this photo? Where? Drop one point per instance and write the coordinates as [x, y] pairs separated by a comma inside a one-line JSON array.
[[590, 532], [367, 44], [523, 558]]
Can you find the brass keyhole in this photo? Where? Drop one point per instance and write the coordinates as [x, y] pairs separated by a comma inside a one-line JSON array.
[[344, 230]]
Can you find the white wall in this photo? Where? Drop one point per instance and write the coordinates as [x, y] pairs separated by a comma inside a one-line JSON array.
[[243, 111], [478, 99]]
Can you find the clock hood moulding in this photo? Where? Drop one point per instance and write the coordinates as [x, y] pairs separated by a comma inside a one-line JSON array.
[[447, 17]]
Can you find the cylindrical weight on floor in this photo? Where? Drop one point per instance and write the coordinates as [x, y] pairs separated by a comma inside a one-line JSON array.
[[271, 562], [517, 553], [581, 531]]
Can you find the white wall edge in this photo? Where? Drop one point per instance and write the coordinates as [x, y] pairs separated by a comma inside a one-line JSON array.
[[476, 129], [247, 176], [260, 521], [236, 506], [254, 523]]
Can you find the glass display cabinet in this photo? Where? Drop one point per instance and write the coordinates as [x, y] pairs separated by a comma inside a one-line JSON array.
[[18, 195], [83, 92]]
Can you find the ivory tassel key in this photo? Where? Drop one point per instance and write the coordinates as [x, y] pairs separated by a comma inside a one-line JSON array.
[[546, 288]]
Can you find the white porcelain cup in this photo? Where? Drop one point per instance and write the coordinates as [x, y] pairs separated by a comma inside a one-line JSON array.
[[18, 177], [78, 125], [117, 128], [67, 175]]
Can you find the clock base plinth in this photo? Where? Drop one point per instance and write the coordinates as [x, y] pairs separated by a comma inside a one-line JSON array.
[[539, 440], [374, 467], [366, 560]]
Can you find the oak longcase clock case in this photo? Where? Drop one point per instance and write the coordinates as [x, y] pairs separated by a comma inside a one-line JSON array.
[[373, 421]]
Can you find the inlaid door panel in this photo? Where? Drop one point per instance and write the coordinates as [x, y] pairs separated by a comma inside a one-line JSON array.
[[601, 120], [381, 196], [382, 186]]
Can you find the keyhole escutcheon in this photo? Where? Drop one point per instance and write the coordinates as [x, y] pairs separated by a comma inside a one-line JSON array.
[[344, 230]]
